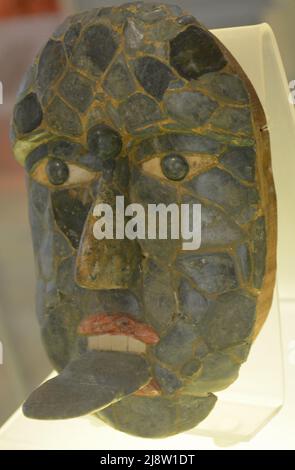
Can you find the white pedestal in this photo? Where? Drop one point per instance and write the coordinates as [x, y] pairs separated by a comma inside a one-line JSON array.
[[257, 395]]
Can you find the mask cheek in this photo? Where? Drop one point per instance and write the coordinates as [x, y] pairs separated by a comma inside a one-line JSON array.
[[145, 190], [42, 227]]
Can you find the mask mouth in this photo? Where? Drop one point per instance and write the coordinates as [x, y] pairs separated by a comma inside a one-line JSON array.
[[117, 332], [113, 367]]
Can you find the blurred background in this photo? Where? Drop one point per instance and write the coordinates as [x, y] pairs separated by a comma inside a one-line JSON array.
[[24, 27]]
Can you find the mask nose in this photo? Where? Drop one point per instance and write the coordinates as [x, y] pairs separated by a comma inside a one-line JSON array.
[[107, 263]]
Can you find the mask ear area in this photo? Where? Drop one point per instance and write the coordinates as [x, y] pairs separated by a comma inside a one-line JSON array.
[[95, 380], [194, 52]]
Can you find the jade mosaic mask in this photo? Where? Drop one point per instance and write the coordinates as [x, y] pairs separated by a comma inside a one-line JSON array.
[[142, 101]]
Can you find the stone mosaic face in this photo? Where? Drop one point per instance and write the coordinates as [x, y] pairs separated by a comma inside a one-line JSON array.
[[142, 101]]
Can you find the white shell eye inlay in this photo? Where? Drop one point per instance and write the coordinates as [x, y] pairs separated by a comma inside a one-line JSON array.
[[197, 164], [75, 175]]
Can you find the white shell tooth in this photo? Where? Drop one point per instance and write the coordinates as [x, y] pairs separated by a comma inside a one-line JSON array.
[[119, 343], [136, 346], [128, 343], [94, 342], [106, 342], [116, 343]]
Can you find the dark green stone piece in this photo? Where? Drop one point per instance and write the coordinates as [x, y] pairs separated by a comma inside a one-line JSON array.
[[151, 13], [240, 161], [71, 37], [148, 190], [139, 111], [239, 352], [51, 65], [62, 246], [244, 260], [218, 372], [159, 299], [159, 50], [62, 119], [104, 142], [194, 52], [120, 300], [190, 108], [54, 329], [178, 142], [176, 347], [158, 416], [93, 381], [77, 91], [163, 30], [233, 120], [225, 86], [65, 149], [230, 320], [153, 75], [70, 214], [65, 277], [212, 273], [216, 227], [38, 197], [35, 156], [119, 82], [187, 19], [28, 80], [122, 174], [192, 304], [133, 35], [220, 187], [28, 114], [93, 162], [95, 49], [46, 255], [167, 380], [191, 368]]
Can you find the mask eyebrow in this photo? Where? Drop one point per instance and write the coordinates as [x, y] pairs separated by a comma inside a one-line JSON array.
[[35, 156], [92, 162], [75, 153], [177, 142]]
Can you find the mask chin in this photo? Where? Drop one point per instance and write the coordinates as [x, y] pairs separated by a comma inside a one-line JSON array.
[[90, 383]]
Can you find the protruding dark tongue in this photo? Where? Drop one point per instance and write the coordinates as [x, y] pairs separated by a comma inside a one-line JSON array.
[[92, 382]]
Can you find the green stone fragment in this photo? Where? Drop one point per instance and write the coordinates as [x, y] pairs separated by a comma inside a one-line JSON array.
[[62, 119]]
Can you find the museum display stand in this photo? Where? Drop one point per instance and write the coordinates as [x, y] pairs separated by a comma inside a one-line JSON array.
[[258, 394]]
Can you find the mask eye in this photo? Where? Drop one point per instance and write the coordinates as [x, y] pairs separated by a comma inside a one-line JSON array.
[[174, 167], [56, 173]]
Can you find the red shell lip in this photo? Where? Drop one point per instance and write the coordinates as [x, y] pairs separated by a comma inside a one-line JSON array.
[[117, 324]]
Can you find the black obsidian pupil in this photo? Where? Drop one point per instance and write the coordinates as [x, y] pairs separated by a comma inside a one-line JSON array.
[[174, 166], [57, 171]]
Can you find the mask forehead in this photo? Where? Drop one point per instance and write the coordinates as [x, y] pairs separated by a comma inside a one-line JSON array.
[[128, 68]]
